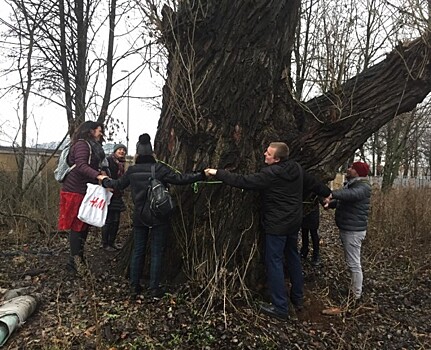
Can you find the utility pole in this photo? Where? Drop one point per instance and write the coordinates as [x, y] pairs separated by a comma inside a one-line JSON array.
[[128, 108]]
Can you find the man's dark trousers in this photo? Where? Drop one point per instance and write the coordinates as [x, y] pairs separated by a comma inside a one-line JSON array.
[[277, 249]]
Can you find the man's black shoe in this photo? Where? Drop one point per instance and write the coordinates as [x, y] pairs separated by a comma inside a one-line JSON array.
[[157, 293], [316, 261], [135, 291], [304, 255], [272, 311], [71, 269], [298, 305]]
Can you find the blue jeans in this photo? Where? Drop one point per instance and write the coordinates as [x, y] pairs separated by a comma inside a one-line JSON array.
[[157, 235], [276, 250]]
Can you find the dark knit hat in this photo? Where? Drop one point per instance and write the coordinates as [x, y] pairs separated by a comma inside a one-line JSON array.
[[118, 146], [143, 147], [361, 168]]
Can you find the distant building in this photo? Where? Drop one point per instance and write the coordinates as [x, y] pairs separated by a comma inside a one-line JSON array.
[[34, 158]]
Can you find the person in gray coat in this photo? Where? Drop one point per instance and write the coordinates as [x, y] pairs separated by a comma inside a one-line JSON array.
[[352, 203]]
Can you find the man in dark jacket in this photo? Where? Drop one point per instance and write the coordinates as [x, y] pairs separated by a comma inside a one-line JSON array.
[[281, 185], [352, 204]]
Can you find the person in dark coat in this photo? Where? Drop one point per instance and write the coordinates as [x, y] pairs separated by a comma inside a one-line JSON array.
[[352, 203], [88, 155], [137, 177], [310, 227], [116, 163], [281, 184]]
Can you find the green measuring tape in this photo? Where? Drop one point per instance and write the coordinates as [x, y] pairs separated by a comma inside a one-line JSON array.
[[194, 185]]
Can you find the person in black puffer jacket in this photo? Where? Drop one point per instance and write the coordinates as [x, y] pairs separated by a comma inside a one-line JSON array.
[[137, 177], [281, 185], [352, 204], [310, 227]]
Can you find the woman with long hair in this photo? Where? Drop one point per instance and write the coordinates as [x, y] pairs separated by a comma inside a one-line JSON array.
[[88, 156]]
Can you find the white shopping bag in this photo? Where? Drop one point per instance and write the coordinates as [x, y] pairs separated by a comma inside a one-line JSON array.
[[94, 206]]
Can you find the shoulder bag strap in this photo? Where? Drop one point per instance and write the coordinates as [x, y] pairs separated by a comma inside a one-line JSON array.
[[89, 146], [90, 149]]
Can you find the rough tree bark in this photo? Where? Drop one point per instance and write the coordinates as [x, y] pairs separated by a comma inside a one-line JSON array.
[[343, 122], [227, 96]]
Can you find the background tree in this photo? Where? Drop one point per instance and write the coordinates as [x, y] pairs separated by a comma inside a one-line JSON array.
[[56, 56], [21, 37], [413, 161], [26, 30], [73, 62], [376, 144], [426, 150], [397, 134], [338, 41]]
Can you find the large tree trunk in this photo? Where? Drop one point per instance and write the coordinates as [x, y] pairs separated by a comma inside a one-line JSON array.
[[227, 96]]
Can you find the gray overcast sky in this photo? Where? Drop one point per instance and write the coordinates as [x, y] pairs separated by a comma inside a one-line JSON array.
[[48, 121]]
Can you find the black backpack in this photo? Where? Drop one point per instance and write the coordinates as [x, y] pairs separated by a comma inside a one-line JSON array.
[[159, 204]]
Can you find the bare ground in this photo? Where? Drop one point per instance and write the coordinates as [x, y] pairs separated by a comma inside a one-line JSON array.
[[95, 312]]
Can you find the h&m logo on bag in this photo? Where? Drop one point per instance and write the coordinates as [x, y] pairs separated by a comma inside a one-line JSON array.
[[97, 202], [94, 206]]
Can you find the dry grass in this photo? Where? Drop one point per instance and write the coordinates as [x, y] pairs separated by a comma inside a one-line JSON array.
[[400, 224], [32, 215]]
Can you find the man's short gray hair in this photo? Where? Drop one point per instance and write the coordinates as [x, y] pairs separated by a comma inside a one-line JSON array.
[[281, 150]]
